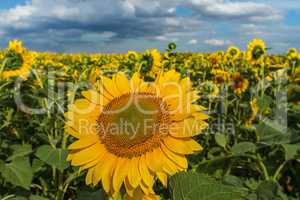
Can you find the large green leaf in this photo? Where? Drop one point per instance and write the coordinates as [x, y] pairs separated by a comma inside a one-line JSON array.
[[54, 157], [221, 140], [291, 150], [269, 133], [193, 186], [242, 148], [267, 190], [18, 172], [20, 151]]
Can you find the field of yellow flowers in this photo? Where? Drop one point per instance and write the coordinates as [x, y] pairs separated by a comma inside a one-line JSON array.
[[223, 125]]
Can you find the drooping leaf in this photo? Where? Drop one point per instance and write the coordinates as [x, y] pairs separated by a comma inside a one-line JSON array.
[[221, 140], [20, 151], [54, 157], [291, 150], [193, 186], [270, 133], [18, 172], [243, 147]]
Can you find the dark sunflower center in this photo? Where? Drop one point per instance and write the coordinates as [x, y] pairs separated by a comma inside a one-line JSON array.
[[257, 52], [132, 124]]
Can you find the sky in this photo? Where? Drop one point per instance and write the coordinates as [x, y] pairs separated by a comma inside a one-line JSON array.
[[116, 26]]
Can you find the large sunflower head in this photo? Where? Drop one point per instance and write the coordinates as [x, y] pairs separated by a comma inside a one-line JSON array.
[[256, 49], [131, 132]]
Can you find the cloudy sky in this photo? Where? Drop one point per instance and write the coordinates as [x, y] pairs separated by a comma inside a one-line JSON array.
[[121, 25]]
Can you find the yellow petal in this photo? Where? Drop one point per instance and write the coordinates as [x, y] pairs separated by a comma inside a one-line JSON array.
[[128, 187], [110, 86], [186, 84], [146, 87], [177, 145], [144, 171], [95, 97], [121, 171], [89, 176], [187, 128], [195, 146], [87, 155], [134, 176], [178, 159], [170, 76], [153, 160], [122, 83], [107, 172], [135, 81], [163, 177], [84, 142], [92, 163], [200, 116]]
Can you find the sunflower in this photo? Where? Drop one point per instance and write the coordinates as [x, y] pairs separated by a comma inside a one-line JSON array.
[[131, 132], [256, 49], [220, 76], [16, 46], [240, 84], [233, 52], [151, 60], [18, 60]]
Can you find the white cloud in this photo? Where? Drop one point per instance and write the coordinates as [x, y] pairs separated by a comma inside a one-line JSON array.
[[253, 11], [52, 24], [216, 42], [193, 41]]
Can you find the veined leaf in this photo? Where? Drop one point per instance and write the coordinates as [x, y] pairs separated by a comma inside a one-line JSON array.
[[54, 157], [18, 172], [194, 186]]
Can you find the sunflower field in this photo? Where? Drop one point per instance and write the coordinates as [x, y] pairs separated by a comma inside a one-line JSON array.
[[150, 125]]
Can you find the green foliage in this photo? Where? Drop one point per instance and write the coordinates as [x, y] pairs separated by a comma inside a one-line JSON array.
[[53, 157]]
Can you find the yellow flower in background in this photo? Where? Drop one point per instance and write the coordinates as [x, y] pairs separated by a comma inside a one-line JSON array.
[[220, 76], [256, 49], [26, 60], [152, 63], [161, 120], [254, 111], [16, 46], [239, 83], [132, 55], [233, 52]]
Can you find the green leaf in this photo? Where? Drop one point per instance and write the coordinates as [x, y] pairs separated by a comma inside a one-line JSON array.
[[20, 151], [2, 165], [269, 134], [18, 172], [194, 186], [37, 165], [291, 150], [18, 198], [90, 195], [264, 102], [221, 140], [54, 157], [36, 197], [243, 147], [267, 190]]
